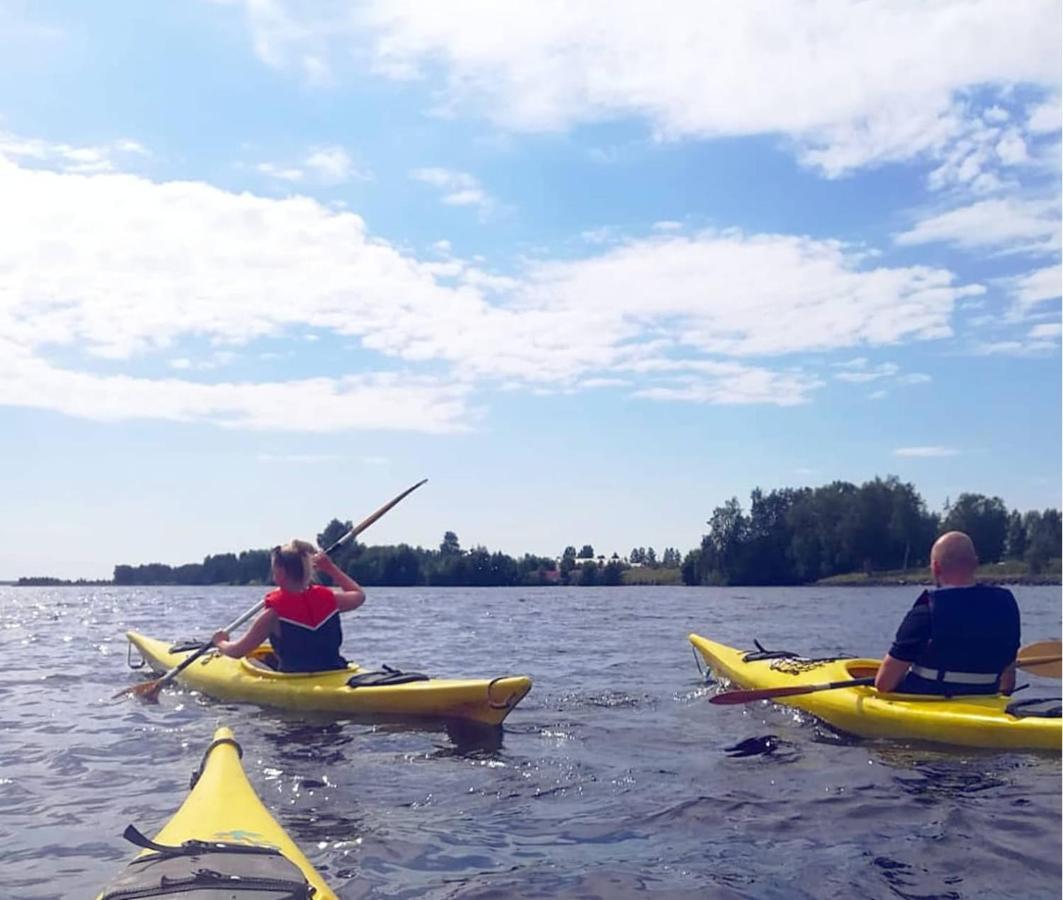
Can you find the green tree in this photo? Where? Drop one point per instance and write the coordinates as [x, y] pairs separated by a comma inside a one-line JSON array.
[[690, 570], [221, 568], [588, 573], [728, 532], [1015, 543], [984, 520], [1043, 538], [450, 545], [402, 567], [613, 573], [345, 555], [587, 552]]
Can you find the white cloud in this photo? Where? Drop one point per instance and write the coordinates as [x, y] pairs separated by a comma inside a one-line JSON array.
[[1010, 225], [603, 234], [67, 157], [734, 294], [1046, 331], [214, 361], [457, 188], [1046, 118], [1033, 288], [852, 83], [732, 383], [323, 165], [377, 401], [860, 371], [284, 173], [925, 452], [117, 267], [863, 374], [331, 164]]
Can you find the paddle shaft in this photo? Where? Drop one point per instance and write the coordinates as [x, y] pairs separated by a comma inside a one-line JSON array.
[[732, 697], [1037, 661], [236, 623], [365, 523]]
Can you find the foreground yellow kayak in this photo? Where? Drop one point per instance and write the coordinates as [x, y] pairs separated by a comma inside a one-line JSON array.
[[963, 721], [478, 700], [225, 821]]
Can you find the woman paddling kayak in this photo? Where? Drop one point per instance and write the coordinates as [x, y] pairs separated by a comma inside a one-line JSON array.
[[301, 620]]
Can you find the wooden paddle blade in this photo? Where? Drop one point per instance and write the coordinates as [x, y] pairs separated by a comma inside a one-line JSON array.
[[145, 690], [1044, 658]]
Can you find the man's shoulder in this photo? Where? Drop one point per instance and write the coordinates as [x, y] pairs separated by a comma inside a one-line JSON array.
[[995, 589]]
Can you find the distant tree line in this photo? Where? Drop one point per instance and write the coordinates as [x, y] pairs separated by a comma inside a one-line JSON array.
[[399, 565], [402, 565], [788, 536], [797, 536]]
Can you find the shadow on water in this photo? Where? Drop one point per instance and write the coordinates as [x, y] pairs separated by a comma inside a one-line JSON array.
[[317, 737], [765, 745]]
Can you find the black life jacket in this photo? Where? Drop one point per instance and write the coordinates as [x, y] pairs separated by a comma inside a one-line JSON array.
[[973, 630]]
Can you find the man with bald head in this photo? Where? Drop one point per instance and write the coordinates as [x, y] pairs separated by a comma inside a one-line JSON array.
[[961, 637]]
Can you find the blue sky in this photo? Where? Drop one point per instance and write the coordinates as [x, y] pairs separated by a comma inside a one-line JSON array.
[[591, 268]]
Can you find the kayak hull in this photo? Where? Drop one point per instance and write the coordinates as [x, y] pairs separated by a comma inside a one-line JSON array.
[[223, 806], [960, 721], [479, 700]]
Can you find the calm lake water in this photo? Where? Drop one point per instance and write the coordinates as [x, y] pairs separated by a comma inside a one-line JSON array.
[[611, 779]]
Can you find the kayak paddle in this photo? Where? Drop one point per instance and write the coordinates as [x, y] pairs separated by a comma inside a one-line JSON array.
[[1043, 658], [730, 697], [149, 690]]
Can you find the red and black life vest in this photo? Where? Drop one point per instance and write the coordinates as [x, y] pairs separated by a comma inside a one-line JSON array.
[[308, 634]]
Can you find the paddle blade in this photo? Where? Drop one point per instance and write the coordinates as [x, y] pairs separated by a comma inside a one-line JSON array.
[[1044, 658], [145, 690]]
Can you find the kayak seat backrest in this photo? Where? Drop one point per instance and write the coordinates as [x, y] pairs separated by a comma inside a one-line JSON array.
[[384, 677]]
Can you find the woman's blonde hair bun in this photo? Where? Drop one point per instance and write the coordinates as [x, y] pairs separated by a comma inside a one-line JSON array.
[[293, 559]]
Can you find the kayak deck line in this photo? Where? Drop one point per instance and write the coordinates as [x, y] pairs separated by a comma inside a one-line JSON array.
[[970, 721], [483, 700]]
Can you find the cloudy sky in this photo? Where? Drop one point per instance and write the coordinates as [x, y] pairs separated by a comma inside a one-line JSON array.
[[591, 267]]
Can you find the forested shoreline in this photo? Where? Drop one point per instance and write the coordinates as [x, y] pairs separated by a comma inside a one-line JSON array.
[[785, 537]]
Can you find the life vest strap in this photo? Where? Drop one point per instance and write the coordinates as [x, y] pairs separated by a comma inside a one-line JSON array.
[[955, 677]]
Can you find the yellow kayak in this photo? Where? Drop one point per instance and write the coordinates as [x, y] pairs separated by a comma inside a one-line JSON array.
[[483, 700], [224, 812], [964, 721]]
